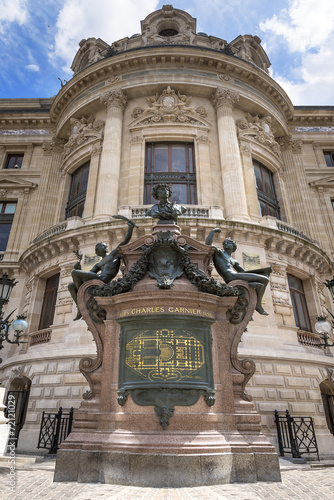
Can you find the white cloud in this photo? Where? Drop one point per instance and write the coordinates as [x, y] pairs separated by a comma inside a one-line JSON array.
[[12, 11], [307, 27], [109, 20], [306, 24], [32, 67]]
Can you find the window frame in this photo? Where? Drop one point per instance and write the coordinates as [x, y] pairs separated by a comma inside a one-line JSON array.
[[19, 160], [48, 308], [330, 154], [169, 176], [302, 296], [6, 219], [76, 203], [269, 200]]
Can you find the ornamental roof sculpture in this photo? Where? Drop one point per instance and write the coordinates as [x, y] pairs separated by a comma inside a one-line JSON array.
[[170, 26]]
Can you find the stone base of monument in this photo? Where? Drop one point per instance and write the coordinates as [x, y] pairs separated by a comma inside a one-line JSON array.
[[165, 471], [167, 405]]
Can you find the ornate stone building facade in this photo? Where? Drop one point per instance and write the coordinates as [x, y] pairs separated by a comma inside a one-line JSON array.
[[169, 105]]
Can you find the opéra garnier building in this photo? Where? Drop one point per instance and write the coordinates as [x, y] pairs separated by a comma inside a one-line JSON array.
[[169, 105]]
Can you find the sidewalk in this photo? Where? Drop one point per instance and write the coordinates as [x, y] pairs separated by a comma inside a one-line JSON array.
[[302, 482]]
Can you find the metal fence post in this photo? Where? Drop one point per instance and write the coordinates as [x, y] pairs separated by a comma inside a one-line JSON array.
[[294, 445]]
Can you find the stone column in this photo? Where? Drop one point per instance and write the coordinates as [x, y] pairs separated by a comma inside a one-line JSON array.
[[235, 201], [250, 183], [297, 187], [108, 180]]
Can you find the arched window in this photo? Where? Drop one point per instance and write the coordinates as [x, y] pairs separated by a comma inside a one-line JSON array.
[[7, 211], [266, 191], [327, 394], [77, 196], [299, 304], [49, 302], [174, 164]]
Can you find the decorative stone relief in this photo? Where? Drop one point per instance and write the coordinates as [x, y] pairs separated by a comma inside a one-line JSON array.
[[83, 130], [168, 27], [203, 139], [245, 148], [6, 192], [330, 373], [96, 149], [249, 48], [136, 139], [223, 97], [113, 79], [287, 143], [168, 107], [54, 146], [91, 51], [259, 129], [225, 77], [114, 98], [277, 270]]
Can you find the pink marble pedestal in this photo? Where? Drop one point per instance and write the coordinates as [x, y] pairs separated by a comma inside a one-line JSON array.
[[202, 445]]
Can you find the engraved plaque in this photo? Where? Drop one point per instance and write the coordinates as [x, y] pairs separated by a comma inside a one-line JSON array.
[[164, 351]]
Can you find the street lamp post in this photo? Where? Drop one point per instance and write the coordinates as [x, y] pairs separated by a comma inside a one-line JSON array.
[[323, 327], [19, 325]]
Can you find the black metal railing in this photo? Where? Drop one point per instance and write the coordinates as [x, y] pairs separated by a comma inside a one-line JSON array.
[[295, 435], [55, 427]]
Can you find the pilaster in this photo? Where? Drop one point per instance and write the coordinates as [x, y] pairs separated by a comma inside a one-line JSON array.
[[203, 167], [46, 214], [249, 177], [296, 185]]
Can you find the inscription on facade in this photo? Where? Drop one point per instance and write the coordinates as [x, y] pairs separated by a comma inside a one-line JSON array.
[[165, 310]]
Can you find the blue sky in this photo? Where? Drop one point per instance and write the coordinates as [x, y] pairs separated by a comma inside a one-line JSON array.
[[39, 38]]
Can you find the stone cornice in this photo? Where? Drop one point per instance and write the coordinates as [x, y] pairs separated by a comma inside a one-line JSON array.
[[276, 242], [191, 57]]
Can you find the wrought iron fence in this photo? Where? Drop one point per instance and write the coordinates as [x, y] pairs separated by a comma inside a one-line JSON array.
[[55, 427], [295, 435]]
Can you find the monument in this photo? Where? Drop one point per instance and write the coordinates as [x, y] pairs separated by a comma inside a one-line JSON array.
[[167, 405]]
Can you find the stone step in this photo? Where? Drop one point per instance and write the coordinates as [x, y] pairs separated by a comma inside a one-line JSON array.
[[20, 460]]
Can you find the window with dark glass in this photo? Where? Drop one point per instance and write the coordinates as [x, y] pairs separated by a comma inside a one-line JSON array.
[[77, 196], [329, 157], [174, 164], [14, 160], [7, 211], [266, 191], [299, 305], [49, 302], [327, 395]]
